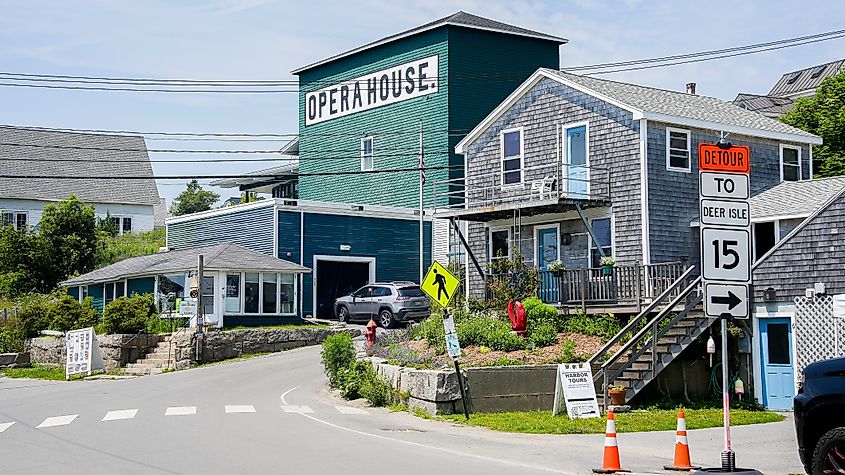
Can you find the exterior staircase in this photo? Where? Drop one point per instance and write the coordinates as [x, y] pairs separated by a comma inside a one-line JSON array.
[[661, 332], [156, 361]]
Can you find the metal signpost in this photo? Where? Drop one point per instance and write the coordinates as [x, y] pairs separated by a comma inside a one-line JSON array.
[[441, 285], [725, 224]]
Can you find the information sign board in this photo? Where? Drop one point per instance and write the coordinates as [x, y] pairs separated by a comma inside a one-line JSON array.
[[725, 213], [453, 347], [574, 386], [726, 186], [83, 352], [726, 254], [440, 284]]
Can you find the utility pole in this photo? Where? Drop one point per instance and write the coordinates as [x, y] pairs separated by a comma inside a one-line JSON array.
[[422, 211]]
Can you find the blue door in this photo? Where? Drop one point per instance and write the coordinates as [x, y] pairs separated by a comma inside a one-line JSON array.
[[778, 373], [547, 252], [576, 162]]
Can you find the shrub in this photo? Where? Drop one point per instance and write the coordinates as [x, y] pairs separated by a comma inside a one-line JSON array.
[[537, 312], [431, 330], [337, 355], [488, 331], [359, 379], [33, 315], [568, 354], [512, 279], [506, 341], [603, 326], [542, 334], [128, 314], [67, 313]]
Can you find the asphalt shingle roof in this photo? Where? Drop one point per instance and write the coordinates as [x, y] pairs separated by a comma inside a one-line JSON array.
[[35, 152], [795, 198], [767, 105], [680, 104], [226, 256], [460, 18]]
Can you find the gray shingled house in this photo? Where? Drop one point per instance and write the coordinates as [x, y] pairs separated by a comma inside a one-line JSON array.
[[572, 168], [34, 162]]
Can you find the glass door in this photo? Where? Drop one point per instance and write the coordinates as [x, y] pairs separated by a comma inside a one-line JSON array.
[[576, 161]]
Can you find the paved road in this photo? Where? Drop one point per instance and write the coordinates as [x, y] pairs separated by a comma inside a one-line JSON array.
[[274, 415]]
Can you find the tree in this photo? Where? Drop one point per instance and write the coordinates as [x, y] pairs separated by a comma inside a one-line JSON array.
[[193, 200], [66, 242], [824, 115]]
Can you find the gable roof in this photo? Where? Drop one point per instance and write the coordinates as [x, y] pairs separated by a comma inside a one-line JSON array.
[[461, 19], [226, 256], [803, 79], [691, 110], [796, 199], [37, 152], [770, 106]]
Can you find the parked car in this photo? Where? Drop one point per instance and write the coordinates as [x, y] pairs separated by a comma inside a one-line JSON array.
[[388, 302], [820, 417]]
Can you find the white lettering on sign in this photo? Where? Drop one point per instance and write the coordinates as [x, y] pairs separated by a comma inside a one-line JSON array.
[[388, 86], [724, 185], [725, 213]]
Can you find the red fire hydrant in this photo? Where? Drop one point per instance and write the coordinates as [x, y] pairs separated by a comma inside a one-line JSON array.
[[516, 314], [371, 333]]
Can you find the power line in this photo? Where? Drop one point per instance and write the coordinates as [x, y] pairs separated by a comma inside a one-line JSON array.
[[233, 151], [412, 154], [289, 135]]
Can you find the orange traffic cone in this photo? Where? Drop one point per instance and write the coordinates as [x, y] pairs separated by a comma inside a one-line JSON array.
[[611, 448], [682, 458]]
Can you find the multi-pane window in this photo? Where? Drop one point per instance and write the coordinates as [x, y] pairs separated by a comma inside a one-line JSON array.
[[499, 244], [677, 149], [602, 233], [511, 157], [18, 219], [126, 226], [207, 295], [790, 163], [366, 154]]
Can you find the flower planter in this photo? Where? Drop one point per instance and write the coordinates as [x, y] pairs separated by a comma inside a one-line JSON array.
[[607, 270], [617, 396]]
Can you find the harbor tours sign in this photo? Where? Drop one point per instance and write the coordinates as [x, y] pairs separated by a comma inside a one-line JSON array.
[[575, 387]]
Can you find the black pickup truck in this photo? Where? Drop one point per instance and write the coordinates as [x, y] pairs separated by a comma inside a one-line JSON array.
[[820, 417]]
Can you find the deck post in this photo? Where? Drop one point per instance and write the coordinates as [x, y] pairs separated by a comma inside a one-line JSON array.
[[583, 289], [639, 290]]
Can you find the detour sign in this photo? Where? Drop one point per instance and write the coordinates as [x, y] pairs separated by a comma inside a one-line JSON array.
[[734, 159]]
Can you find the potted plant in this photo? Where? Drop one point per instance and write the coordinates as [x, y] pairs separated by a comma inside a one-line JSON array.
[[607, 263], [556, 268], [617, 395]]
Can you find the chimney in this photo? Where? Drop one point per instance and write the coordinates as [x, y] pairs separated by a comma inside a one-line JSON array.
[[690, 88]]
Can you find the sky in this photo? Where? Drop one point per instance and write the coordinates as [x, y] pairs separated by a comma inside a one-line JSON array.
[[265, 40]]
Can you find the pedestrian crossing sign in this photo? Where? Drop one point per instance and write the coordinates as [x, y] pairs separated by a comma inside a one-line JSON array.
[[439, 284]]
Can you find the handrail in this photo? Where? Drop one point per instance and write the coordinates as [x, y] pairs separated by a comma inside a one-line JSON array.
[[604, 349]]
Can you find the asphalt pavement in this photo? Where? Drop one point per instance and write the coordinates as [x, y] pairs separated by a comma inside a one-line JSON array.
[[274, 414]]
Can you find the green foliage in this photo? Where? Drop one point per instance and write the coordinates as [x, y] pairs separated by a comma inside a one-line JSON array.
[[36, 371], [67, 313], [824, 115], [66, 242], [128, 314], [114, 248], [193, 200], [337, 355], [543, 334], [156, 324], [431, 330], [603, 326], [488, 331], [512, 279], [568, 354], [107, 227], [537, 312], [17, 250]]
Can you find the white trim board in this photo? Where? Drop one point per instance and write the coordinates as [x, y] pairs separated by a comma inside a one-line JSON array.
[[644, 215]]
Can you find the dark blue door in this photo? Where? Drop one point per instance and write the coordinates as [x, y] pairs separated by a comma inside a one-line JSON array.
[[778, 372]]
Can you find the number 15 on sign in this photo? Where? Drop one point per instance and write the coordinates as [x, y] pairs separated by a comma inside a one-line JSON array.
[[726, 254]]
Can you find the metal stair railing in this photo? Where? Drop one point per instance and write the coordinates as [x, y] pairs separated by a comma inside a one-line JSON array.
[[649, 335]]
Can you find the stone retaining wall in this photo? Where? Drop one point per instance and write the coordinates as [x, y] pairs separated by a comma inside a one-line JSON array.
[[14, 360], [489, 389], [118, 350]]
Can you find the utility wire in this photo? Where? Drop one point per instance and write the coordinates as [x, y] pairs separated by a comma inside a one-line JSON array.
[[233, 151], [289, 135]]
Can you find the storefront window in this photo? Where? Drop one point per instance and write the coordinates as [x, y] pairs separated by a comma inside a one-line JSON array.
[[286, 297], [174, 283], [251, 292], [119, 289], [269, 296], [207, 295], [233, 293], [108, 293]]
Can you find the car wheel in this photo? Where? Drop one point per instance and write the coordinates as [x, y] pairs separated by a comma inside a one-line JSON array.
[[385, 318], [829, 454], [342, 314]]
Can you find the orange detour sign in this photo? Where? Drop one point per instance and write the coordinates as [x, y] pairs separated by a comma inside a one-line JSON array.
[[610, 464], [732, 159], [682, 458]]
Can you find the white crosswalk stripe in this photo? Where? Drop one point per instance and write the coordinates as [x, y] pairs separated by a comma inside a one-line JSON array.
[[349, 410], [57, 421], [119, 415], [298, 409], [239, 409], [5, 425], [181, 411]]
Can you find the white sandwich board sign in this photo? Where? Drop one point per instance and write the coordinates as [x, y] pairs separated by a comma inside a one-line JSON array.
[[83, 352], [574, 386]]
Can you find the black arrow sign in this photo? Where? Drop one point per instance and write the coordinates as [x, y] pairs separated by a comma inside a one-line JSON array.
[[731, 300]]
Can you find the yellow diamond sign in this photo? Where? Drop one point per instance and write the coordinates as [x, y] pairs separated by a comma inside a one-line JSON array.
[[439, 284]]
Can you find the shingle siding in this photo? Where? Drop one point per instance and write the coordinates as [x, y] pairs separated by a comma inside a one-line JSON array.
[[815, 254], [673, 196], [250, 228]]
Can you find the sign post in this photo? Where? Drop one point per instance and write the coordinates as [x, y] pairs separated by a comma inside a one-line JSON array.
[[440, 285], [725, 224]]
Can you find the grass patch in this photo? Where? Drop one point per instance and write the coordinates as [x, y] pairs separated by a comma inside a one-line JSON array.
[[645, 421], [52, 373]]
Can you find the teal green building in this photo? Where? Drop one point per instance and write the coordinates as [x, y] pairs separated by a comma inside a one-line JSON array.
[[366, 109]]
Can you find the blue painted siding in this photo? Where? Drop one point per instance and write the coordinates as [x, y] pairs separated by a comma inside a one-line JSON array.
[[290, 236], [95, 291], [393, 242], [251, 228], [143, 285]]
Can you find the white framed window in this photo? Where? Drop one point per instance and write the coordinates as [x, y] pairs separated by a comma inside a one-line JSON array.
[[678, 150], [123, 224], [603, 232], [499, 244], [18, 219], [511, 145], [366, 154], [790, 163], [264, 293], [576, 159]]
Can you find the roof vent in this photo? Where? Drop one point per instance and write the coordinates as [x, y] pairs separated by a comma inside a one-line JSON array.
[[690, 88]]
